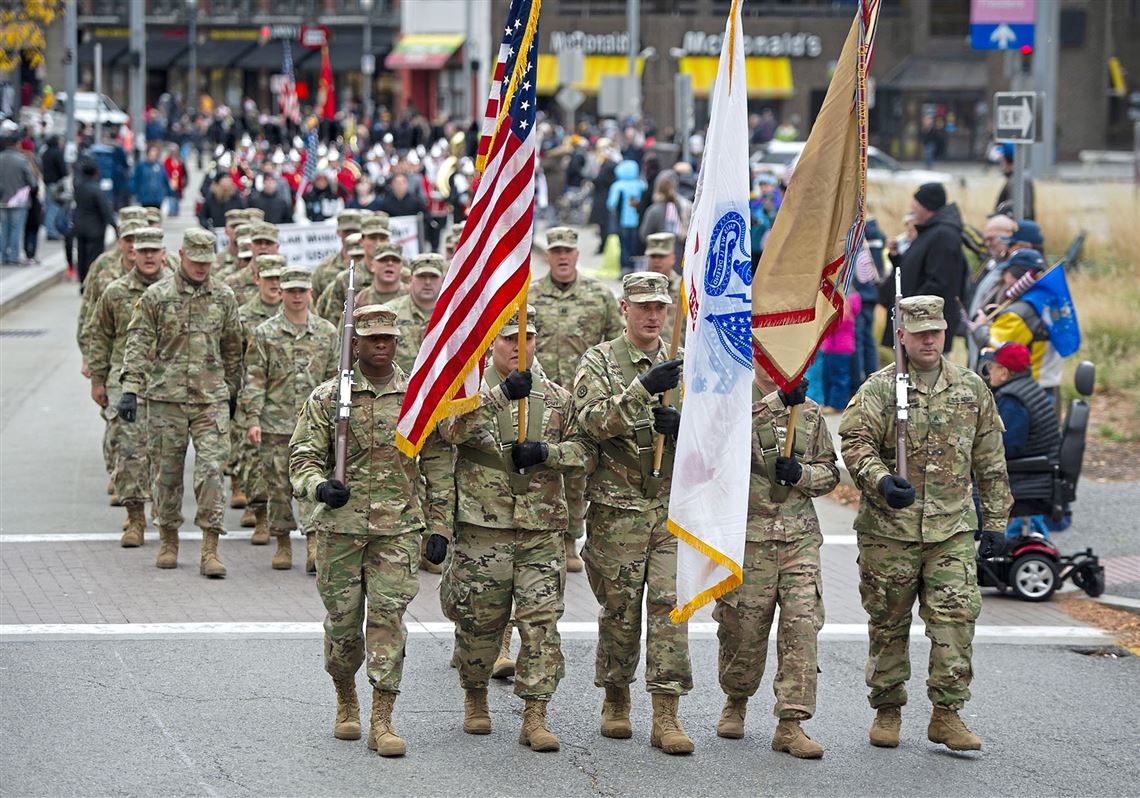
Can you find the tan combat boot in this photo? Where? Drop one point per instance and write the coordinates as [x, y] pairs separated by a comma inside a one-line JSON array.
[[167, 548], [382, 737], [248, 518], [791, 739], [947, 728], [731, 723], [110, 487], [237, 495], [347, 726], [885, 729], [115, 500], [534, 732], [504, 667], [476, 715], [574, 563], [211, 563], [615, 713], [283, 557], [310, 553], [136, 526], [425, 564], [260, 535], [667, 733]]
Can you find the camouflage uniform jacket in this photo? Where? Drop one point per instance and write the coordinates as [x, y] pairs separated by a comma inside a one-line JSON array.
[[325, 272], [571, 321], [608, 408], [184, 343], [106, 334], [110, 268], [794, 518], [283, 365], [412, 321], [385, 484], [953, 431], [368, 295], [485, 497], [242, 284], [331, 301], [225, 265], [251, 314]]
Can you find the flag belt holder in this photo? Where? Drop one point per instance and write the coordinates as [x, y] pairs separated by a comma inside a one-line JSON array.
[[770, 449], [643, 436], [502, 462]]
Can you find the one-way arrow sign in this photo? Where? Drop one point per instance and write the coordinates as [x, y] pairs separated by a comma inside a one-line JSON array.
[[1003, 36], [1015, 114]]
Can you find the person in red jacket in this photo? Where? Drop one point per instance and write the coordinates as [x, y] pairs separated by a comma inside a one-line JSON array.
[[176, 174]]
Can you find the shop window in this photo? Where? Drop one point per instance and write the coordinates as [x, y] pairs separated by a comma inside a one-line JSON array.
[[949, 17], [1073, 23]]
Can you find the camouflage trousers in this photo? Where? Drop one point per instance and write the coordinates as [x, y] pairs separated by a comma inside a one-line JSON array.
[[366, 583], [274, 458], [631, 557], [109, 414], [488, 570], [250, 469], [170, 428], [943, 576], [575, 487], [130, 472], [775, 573]]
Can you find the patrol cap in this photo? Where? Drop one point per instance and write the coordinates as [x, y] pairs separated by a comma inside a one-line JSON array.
[[348, 221], [1022, 261], [245, 248], [389, 251], [254, 215], [296, 277], [200, 245], [512, 325], [153, 216], [242, 230], [270, 265], [263, 231], [235, 216], [565, 237], [641, 287], [132, 213], [353, 246], [130, 228], [428, 263], [660, 244], [1027, 232], [374, 225], [922, 313], [148, 238], [375, 320]]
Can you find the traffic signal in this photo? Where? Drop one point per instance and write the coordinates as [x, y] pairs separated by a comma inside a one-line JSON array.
[[1026, 51]]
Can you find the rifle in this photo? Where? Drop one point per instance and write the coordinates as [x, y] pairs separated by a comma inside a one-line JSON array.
[[901, 380], [344, 394]]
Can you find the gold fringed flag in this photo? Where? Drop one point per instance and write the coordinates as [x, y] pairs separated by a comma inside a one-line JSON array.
[[803, 275]]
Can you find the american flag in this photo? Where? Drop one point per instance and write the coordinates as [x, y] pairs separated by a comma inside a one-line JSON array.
[[312, 145], [290, 107], [491, 267]]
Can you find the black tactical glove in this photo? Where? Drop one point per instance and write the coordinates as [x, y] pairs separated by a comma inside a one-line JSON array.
[[517, 385], [992, 544], [662, 377], [796, 396], [788, 470], [333, 493], [897, 491], [128, 407], [435, 549], [233, 407], [529, 453], [666, 420]]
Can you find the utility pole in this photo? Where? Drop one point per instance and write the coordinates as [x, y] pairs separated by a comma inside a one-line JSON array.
[[467, 51], [138, 76], [98, 93], [367, 62], [71, 79], [633, 26], [192, 35], [1045, 49]]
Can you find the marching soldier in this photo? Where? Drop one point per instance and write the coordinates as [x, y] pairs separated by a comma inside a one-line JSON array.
[[228, 257], [415, 308], [111, 257], [289, 355], [630, 555], [661, 252], [781, 567], [915, 535], [373, 233], [574, 312], [347, 222], [325, 307], [263, 241], [154, 220], [368, 528], [451, 242], [387, 266], [183, 355]]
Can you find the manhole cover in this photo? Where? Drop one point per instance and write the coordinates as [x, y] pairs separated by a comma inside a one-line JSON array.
[[21, 333]]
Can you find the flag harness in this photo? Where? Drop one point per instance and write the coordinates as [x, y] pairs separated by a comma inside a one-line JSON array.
[[507, 438]]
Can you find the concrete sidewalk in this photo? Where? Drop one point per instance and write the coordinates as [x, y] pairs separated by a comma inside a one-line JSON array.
[[18, 284]]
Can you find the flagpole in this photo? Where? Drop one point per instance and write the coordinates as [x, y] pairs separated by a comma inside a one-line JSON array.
[[522, 367], [790, 435], [674, 344]]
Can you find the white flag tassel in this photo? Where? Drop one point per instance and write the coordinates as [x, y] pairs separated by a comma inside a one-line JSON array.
[[708, 502]]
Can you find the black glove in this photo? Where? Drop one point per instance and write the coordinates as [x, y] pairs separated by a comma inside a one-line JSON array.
[[435, 549], [128, 407], [796, 396], [233, 407], [992, 544], [517, 385], [788, 470], [897, 491], [333, 493], [529, 453], [662, 377], [666, 420]]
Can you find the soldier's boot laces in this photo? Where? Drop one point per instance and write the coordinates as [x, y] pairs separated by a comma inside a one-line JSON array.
[[260, 535], [667, 733], [615, 713], [426, 565], [310, 553], [167, 548], [731, 723], [382, 737], [885, 729], [237, 495], [947, 728], [574, 563], [476, 715], [534, 732], [347, 726], [283, 557], [791, 739], [504, 667], [248, 517], [136, 526], [211, 563]]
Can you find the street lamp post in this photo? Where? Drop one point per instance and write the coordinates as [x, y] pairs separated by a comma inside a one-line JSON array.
[[192, 34], [366, 76], [633, 27]]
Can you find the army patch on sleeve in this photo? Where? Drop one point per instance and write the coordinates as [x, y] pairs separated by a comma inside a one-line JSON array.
[[582, 391]]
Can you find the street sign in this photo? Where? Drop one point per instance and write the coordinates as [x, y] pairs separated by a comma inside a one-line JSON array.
[[1015, 117], [569, 98], [314, 36], [571, 67], [1001, 24]]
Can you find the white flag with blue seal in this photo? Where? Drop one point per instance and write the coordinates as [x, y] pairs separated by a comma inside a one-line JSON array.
[[708, 501]]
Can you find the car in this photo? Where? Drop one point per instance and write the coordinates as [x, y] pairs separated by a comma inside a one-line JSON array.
[[89, 106], [780, 158]]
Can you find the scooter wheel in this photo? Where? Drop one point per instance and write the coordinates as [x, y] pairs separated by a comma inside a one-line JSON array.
[[1089, 579], [1033, 577]]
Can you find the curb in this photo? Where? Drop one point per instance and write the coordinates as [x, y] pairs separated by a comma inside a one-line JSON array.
[[1120, 603], [31, 281]]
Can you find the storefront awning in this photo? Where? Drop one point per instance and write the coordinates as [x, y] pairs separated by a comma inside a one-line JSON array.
[[161, 51], [594, 68], [112, 49], [923, 73], [768, 78], [423, 50], [216, 53]]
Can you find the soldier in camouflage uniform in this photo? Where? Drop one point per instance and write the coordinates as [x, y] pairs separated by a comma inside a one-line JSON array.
[[575, 312], [326, 306], [183, 356], [661, 255], [415, 308], [368, 527], [228, 257], [385, 287], [781, 567], [106, 341], [347, 222], [630, 555], [243, 282], [110, 257], [915, 535], [290, 354], [373, 234], [154, 220], [508, 542]]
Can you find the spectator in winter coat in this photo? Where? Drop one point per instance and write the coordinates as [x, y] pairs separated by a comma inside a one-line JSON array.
[[222, 196], [17, 182], [272, 201], [176, 177], [149, 182], [321, 199], [93, 215], [54, 173], [669, 213], [837, 351], [624, 198], [399, 201]]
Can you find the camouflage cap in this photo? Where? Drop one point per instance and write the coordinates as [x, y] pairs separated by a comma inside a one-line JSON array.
[[129, 228], [245, 248], [263, 231], [375, 320], [642, 287], [389, 251], [254, 215], [348, 221], [235, 216], [153, 216], [565, 237], [512, 325], [242, 230], [660, 244], [375, 224], [135, 213], [200, 245], [270, 265], [922, 313], [353, 247], [428, 263], [296, 277], [148, 238]]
